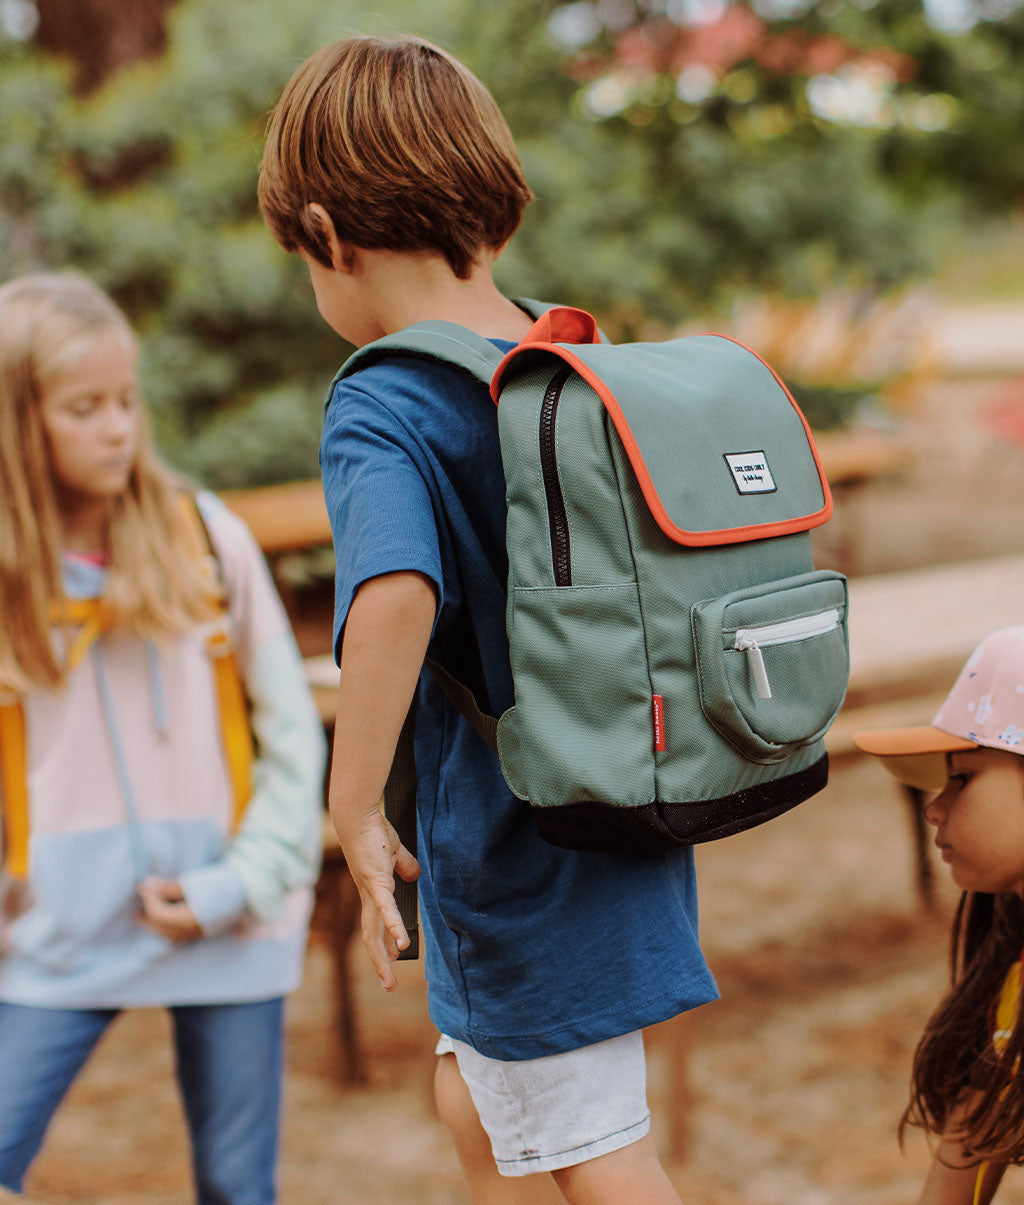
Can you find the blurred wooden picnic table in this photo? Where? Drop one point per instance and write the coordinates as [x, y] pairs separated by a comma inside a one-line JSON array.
[[292, 517]]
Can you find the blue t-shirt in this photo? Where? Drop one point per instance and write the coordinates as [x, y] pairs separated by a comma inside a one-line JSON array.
[[529, 949]]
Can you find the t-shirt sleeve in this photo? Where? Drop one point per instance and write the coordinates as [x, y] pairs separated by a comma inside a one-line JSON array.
[[378, 499]]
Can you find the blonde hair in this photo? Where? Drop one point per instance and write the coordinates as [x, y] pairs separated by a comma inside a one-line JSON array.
[[156, 584], [401, 144]]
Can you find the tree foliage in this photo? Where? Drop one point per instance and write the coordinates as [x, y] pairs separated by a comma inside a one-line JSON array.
[[95, 37], [675, 163], [786, 146], [148, 185]]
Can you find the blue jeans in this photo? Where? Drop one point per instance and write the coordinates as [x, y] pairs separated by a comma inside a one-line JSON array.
[[229, 1059]]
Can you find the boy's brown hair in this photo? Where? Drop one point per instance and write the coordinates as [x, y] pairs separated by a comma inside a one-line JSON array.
[[401, 144]]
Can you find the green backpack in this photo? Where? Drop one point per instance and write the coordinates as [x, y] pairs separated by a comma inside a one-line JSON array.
[[677, 659]]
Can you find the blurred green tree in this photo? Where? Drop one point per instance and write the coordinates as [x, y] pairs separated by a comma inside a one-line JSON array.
[[690, 150], [147, 183], [100, 36], [680, 151]]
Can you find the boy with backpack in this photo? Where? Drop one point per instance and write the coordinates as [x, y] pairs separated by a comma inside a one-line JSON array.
[[390, 171]]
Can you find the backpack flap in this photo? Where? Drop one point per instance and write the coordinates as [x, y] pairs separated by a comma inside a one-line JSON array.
[[720, 449]]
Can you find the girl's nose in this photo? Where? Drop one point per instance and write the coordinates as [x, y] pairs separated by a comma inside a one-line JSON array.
[[935, 809], [120, 423]]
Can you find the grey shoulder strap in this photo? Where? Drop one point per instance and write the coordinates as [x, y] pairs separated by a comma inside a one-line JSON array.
[[445, 342], [464, 701]]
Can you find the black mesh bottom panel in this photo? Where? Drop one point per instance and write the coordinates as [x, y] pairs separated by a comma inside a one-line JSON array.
[[655, 826]]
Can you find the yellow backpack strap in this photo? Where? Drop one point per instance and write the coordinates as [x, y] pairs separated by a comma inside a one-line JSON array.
[[235, 729], [89, 615], [86, 614], [14, 786]]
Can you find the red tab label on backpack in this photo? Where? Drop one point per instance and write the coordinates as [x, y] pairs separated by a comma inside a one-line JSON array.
[[658, 720]]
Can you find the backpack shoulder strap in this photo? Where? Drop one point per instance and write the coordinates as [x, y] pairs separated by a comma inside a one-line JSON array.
[[444, 342], [232, 706], [464, 701], [13, 786]]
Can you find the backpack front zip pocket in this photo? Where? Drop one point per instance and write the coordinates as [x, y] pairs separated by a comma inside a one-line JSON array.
[[558, 522], [773, 662], [752, 640]]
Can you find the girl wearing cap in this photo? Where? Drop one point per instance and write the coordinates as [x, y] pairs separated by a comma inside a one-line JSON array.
[[964, 1084]]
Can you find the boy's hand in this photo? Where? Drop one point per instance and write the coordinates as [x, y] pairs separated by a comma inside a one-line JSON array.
[[374, 855], [164, 911]]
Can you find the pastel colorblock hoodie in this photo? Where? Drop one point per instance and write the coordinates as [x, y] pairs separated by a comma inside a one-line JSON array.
[[127, 778]]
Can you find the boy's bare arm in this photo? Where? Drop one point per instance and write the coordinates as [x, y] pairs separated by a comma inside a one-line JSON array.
[[386, 634]]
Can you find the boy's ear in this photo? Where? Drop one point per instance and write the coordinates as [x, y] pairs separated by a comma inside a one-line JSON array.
[[342, 254]]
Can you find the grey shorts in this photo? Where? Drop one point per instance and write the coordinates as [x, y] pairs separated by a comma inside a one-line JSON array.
[[559, 1110]]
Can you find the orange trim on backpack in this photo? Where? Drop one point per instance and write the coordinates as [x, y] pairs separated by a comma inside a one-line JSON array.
[[692, 539], [564, 324]]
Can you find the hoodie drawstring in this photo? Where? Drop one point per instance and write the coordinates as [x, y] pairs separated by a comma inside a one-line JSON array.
[[120, 764]]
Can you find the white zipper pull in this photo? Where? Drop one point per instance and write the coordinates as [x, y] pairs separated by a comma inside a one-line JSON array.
[[747, 644]]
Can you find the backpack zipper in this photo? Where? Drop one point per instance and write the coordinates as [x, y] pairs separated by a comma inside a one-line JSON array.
[[558, 522], [787, 631]]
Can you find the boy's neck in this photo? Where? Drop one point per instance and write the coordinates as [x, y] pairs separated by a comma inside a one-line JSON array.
[[402, 289]]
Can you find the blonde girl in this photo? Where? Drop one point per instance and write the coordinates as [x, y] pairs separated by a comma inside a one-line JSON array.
[[965, 1087], [146, 862]]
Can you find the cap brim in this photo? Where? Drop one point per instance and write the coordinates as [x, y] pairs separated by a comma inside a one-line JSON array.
[[915, 756]]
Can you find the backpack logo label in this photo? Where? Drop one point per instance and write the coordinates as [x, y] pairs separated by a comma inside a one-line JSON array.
[[750, 472]]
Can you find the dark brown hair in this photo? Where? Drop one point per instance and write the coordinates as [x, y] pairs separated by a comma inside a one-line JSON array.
[[401, 144], [956, 1066]]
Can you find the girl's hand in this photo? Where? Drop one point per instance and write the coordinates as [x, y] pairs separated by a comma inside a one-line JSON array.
[[165, 912], [374, 854]]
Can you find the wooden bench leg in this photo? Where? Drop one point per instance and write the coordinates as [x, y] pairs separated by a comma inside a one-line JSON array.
[[924, 872], [341, 907]]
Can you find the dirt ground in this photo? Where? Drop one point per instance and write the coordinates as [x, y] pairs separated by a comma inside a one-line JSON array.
[[827, 966], [827, 963]]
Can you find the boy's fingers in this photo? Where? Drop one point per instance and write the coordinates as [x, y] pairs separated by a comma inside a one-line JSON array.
[[375, 947], [396, 936], [384, 934]]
